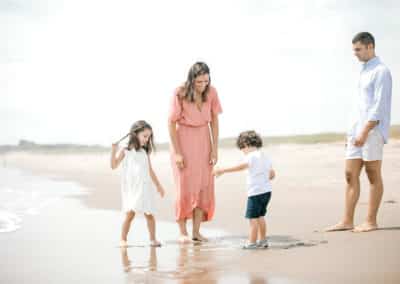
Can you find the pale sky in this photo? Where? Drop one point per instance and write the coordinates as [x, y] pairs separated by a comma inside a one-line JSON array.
[[82, 71]]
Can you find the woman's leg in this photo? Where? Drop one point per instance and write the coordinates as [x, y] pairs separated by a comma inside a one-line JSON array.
[[198, 216], [184, 236], [126, 226]]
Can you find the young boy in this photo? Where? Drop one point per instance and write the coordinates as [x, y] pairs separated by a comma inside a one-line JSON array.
[[259, 174]]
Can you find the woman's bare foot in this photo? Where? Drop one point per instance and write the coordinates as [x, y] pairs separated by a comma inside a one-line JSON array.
[[339, 227], [365, 227], [123, 244], [184, 239], [199, 238]]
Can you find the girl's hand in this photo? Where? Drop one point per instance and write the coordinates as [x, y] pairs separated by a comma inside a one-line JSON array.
[[161, 190], [179, 161], [213, 157]]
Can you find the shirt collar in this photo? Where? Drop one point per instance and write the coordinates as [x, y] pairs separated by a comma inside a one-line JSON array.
[[372, 62]]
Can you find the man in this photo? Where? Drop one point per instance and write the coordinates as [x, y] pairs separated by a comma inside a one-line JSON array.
[[368, 134]]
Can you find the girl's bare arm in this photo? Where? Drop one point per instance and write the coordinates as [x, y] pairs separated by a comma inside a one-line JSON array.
[[114, 160], [155, 180]]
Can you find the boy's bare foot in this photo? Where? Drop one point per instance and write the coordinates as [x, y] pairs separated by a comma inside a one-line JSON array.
[[365, 227], [199, 238], [339, 227], [123, 244], [184, 239]]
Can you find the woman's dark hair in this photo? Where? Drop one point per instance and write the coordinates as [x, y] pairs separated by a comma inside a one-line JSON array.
[[364, 38], [134, 142], [249, 139], [199, 68]]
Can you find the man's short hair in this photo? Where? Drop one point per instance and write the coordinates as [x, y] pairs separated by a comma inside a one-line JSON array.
[[365, 38]]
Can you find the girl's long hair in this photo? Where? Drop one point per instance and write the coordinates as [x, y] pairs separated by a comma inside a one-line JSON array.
[[134, 142], [187, 91]]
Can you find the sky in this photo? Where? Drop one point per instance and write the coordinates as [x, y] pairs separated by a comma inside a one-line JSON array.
[[82, 71]]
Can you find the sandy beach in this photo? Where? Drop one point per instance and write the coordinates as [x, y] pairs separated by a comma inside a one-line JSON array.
[[74, 239]]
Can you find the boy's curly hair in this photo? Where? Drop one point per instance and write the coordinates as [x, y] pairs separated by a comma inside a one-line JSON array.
[[249, 139]]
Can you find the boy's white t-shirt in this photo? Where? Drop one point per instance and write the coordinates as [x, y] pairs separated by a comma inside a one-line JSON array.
[[258, 173]]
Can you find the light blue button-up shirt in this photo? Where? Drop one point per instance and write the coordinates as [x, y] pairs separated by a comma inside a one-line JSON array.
[[374, 101]]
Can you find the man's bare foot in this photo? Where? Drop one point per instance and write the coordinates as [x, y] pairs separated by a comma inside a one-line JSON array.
[[123, 244], [365, 227], [339, 227], [155, 243], [199, 238], [184, 239]]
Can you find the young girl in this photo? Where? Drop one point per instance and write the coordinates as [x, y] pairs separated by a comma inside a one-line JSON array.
[[260, 172], [137, 178]]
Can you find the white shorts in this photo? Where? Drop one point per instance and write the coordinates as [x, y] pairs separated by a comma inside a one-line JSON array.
[[371, 151]]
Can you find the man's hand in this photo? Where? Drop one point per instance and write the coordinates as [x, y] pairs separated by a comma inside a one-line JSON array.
[[360, 140]]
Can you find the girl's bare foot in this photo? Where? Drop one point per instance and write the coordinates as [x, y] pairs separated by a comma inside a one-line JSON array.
[[155, 243], [123, 244], [184, 239], [365, 227], [339, 227]]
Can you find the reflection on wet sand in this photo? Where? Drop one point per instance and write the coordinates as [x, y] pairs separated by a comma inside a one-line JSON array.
[[200, 262]]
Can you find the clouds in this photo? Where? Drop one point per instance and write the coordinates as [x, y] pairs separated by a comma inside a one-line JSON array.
[[83, 71]]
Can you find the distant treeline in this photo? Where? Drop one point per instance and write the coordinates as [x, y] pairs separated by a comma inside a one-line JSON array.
[[26, 145]]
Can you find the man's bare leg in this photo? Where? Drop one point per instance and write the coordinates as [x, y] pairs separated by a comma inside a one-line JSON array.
[[352, 174], [373, 170]]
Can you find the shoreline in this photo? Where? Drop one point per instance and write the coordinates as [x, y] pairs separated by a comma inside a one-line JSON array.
[[307, 196]]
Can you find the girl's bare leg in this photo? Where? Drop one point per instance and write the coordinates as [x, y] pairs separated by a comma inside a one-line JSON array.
[[126, 226]]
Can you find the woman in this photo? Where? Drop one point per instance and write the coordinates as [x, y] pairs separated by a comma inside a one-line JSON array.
[[193, 128]]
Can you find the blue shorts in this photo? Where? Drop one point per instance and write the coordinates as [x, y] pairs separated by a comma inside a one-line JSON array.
[[257, 205]]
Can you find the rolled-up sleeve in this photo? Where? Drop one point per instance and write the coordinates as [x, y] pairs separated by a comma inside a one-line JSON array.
[[382, 95], [215, 103], [175, 110]]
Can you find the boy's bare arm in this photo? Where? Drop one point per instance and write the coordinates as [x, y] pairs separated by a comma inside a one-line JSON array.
[[236, 168], [272, 174]]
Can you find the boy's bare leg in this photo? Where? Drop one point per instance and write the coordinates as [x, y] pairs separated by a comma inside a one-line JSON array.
[[352, 174], [373, 170], [126, 226], [262, 228], [253, 230]]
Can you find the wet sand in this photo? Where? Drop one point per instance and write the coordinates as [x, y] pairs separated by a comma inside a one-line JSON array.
[[76, 240]]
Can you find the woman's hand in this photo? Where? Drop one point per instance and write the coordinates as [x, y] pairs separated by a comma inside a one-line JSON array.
[[179, 161], [213, 157]]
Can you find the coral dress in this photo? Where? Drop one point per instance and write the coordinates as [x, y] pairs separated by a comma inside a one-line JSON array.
[[195, 182]]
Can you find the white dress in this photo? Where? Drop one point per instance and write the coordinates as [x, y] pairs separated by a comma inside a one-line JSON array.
[[137, 189]]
